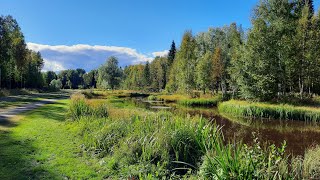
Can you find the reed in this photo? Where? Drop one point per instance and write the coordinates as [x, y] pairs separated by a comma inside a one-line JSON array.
[[267, 110], [80, 106], [200, 101], [159, 145]]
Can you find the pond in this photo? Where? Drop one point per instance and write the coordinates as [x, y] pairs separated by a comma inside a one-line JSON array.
[[299, 135]]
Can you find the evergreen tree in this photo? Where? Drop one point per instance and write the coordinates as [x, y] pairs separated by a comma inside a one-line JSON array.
[[146, 74], [172, 53]]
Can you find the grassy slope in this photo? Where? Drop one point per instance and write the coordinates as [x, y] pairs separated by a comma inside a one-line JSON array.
[[44, 146]]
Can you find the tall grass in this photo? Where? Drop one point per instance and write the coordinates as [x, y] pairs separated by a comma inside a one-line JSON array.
[[200, 101], [80, 106], [265, 110], [163, 146]]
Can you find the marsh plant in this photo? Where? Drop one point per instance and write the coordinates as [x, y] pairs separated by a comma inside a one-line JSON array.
[[162, 145], [80, 106], [268, 110]]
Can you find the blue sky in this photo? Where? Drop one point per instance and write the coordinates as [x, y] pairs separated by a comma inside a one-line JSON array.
[[144, 27]]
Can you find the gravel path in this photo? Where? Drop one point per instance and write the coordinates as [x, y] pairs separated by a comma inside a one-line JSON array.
[[8, 113]]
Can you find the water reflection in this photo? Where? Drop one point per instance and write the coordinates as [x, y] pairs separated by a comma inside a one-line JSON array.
[[299, 135]]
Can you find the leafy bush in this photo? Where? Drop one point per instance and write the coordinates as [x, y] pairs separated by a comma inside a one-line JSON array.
[[55, 84]]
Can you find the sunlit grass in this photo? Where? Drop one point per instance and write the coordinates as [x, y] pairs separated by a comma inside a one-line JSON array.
[[267, 110], [213, 101]]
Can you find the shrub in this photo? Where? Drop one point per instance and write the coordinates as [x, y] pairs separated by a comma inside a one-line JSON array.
[[55, 85]]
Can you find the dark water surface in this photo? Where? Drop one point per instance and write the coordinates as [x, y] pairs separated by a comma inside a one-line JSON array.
[[299, 135]]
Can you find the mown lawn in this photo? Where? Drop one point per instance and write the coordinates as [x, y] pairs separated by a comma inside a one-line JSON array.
[[44, 146]]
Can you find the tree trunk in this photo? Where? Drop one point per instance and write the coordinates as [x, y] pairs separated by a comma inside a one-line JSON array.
[[300, 86]]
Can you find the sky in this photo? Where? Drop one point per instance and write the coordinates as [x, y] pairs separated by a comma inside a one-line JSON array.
[[83, 33]]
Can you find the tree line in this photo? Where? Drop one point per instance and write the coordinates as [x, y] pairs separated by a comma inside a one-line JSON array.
[[19, 66], [279, 56]]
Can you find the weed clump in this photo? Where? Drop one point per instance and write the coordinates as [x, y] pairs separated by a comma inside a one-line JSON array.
[[80, 106]]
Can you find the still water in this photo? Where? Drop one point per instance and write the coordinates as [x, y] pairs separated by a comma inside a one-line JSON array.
[[299, 135]]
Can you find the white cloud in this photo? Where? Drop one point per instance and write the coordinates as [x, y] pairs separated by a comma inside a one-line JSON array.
[[52, 65], [160, 53], [88, 57]]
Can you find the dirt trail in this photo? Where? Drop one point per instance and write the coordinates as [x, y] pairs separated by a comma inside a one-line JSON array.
[[10, 112]]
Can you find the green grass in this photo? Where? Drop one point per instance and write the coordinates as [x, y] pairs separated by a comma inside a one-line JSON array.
[[135, 144], [200, 101], [267, 110], [80, 106], [45, 146]]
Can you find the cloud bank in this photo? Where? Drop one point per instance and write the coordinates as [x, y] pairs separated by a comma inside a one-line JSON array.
[[61, 57]]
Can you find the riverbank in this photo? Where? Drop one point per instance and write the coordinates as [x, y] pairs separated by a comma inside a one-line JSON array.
[[130, 142], [268, 110]]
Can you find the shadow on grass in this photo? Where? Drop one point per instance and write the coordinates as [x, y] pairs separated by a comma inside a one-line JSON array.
[[56, 113], [15, 160], [17, 153]]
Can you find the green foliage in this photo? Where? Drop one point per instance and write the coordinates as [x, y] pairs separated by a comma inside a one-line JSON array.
[[238, 161], [201, 101], [152, 98], [19, 66], [185, 64], [48, 77], [72, 78], [172, 53], [80, 107], [90, 79], [55, 84], [204, 69], [109, 74], [265, 110]]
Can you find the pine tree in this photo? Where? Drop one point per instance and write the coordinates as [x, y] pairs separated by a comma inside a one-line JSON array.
[[172, 53], [300, 4], [146, 74]]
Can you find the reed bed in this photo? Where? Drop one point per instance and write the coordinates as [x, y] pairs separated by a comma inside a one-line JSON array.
[[266, 110], [80, 106], [166, 146], [200, 101]]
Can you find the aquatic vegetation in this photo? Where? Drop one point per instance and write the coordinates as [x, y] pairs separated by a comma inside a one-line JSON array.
[[201, 101], [268, 110], [141, 144]]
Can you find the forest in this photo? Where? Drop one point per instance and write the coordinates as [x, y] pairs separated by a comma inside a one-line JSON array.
[[277, 57]]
